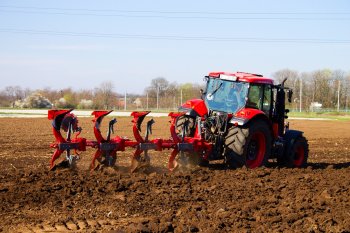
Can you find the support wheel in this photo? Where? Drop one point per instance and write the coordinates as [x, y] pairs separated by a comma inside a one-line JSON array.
[[249, 145]]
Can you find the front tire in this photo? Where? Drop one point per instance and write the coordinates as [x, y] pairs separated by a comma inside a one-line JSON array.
[[186, 123], [249, 145]]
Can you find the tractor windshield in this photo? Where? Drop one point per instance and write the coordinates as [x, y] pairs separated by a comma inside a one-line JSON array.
[[226, 96]]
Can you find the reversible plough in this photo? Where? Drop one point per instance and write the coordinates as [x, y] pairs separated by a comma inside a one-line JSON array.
[[106, 148]]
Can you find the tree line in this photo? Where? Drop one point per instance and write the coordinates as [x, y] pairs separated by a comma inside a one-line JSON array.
[[160, 94], [320, 89]]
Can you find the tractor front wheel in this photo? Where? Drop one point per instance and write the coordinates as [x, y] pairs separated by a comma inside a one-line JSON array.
[[249, 145], [187, 124]]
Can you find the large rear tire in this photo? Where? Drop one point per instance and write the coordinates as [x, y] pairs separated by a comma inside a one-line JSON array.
[[296, 153], [249, 145]]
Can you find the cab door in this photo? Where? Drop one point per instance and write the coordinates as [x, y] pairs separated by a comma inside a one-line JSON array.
[[260, 97]]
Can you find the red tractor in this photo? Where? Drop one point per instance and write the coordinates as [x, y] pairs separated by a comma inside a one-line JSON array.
[[240, 119], [243, 116]]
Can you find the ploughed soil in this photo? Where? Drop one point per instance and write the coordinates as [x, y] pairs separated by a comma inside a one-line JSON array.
[[210, 199]]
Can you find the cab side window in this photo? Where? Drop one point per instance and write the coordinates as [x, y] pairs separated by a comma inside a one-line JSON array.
[[254, 96], [267, 100]]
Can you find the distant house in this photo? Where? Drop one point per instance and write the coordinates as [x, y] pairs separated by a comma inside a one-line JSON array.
[[315, 106], [138, 103]]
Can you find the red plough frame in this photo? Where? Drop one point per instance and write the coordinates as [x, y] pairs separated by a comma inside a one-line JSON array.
[[107, 148]]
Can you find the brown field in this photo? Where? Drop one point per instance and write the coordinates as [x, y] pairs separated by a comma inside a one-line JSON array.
[[33, 199]]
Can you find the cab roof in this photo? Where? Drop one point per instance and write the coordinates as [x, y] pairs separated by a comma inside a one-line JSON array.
[[242, 77]]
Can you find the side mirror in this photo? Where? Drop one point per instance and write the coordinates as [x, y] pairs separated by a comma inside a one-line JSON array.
[[290, 95]]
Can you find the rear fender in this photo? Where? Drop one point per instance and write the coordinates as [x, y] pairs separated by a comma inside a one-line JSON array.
[[194, 107], [245, 115]]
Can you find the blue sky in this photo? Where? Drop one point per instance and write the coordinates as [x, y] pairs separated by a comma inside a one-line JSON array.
[[82, 43]]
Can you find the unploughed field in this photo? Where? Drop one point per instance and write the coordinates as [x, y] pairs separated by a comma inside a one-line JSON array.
[[213, 199]]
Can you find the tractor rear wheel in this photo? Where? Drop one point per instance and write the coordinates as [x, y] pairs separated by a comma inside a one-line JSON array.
[[248, 146], [296, 153]]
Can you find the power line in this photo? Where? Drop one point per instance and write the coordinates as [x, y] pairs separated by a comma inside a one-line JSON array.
[[176, 12], [175, 37], [185, 15]]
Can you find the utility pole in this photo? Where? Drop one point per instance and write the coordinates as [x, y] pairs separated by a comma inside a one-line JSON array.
[[300, 97], [181, 97], [338, 96], [125, 101], [147, 101], [157, 96]]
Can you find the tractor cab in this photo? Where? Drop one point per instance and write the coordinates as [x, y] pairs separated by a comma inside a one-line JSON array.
[[233, 92]]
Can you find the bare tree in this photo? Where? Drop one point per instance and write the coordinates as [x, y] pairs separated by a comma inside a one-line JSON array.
[[291, 75], [14, 92], [161, 92], [347, 91], [293, 81], [158, 85], [339, 88], [190, 91], [321, 87], [105, 96]]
